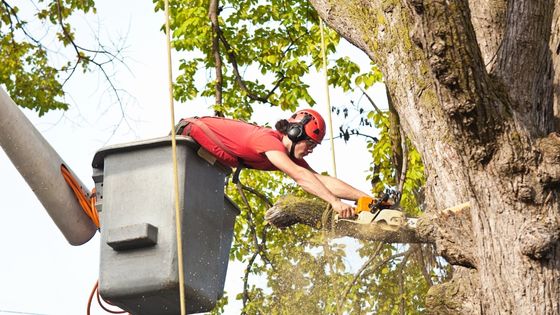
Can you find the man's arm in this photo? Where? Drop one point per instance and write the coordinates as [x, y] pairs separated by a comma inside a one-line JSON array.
[[308, 181], [340, 188]]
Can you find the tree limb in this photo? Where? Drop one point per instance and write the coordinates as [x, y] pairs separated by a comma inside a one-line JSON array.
[[213, 15], [488, 18], [450, 229], [233, 60], [289, 210]]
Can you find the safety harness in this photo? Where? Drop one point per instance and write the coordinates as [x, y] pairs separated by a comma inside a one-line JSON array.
[[184, 124]]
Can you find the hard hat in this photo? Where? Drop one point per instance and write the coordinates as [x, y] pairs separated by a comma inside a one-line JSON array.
[[306, 123]]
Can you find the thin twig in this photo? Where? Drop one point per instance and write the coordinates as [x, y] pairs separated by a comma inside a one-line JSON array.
[[260, 248], [249, 215], [246, 281], [80, 60], [374, 269], [379, 111], [357, 133]]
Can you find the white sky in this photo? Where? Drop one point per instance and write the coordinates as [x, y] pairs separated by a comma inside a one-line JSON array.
[[40, 273]]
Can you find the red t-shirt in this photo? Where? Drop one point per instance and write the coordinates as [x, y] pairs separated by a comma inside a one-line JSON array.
[[248, 142]]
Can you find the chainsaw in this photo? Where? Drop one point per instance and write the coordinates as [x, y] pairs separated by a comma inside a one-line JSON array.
[[382, 210]]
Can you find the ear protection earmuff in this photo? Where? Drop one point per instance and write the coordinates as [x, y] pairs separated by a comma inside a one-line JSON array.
[[296, 130]]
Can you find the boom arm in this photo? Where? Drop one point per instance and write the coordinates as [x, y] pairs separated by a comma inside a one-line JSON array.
[[39, 164]]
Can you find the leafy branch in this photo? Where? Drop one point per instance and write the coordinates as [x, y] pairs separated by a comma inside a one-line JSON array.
[[12, 12], [239, 79]]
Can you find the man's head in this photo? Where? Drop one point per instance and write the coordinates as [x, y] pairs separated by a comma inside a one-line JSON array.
[[306, 129], [306, 124]]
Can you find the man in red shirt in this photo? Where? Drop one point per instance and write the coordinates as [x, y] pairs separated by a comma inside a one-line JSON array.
[[233, 142]]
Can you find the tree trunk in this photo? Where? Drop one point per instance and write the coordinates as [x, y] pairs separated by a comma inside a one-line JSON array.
[[477, 91]]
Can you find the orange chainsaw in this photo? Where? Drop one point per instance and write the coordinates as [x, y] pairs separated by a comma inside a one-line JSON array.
[[370, 210]]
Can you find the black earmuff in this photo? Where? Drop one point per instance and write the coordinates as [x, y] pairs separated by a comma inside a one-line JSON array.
[[296, 130]]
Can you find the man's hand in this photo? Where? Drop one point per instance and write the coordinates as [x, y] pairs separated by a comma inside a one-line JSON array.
[[344, 210]]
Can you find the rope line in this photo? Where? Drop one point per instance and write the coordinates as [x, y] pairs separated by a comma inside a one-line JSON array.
[[178, 231], [328, 214], [324, 54], [328, 219]]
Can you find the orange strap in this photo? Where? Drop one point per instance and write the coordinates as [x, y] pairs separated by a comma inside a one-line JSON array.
[[87, 203]]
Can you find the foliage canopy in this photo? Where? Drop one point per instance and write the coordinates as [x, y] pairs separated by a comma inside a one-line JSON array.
[[34, 41], [246, 54]]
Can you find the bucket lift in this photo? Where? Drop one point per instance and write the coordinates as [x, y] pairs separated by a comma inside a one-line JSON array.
[[134, 184], [138, 269]]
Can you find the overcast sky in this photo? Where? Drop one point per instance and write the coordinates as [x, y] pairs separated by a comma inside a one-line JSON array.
[[40, 273]]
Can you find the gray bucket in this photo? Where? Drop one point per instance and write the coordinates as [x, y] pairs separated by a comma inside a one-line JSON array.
[[138, 261]]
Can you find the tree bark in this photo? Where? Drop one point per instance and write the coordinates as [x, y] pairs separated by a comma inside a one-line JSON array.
[[460, 295], [476, 86]]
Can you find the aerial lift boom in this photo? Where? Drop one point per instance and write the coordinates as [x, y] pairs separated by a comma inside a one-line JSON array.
[[40, 165]]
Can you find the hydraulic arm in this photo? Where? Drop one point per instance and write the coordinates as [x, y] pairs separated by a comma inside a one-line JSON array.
[[40, 165]]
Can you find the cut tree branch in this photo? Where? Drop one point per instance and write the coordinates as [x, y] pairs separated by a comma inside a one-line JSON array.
[[450, 229]]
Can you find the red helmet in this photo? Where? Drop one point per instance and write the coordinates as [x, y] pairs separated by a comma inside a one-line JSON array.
[[313, 124]]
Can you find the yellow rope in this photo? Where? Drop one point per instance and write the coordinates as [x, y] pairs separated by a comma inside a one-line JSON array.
[[175, 176], [324, 54], [328, 214]]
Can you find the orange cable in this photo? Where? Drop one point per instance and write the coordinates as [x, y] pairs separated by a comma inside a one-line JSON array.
[[91, 297], [88, 204], [100, 300], [95, 291]]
